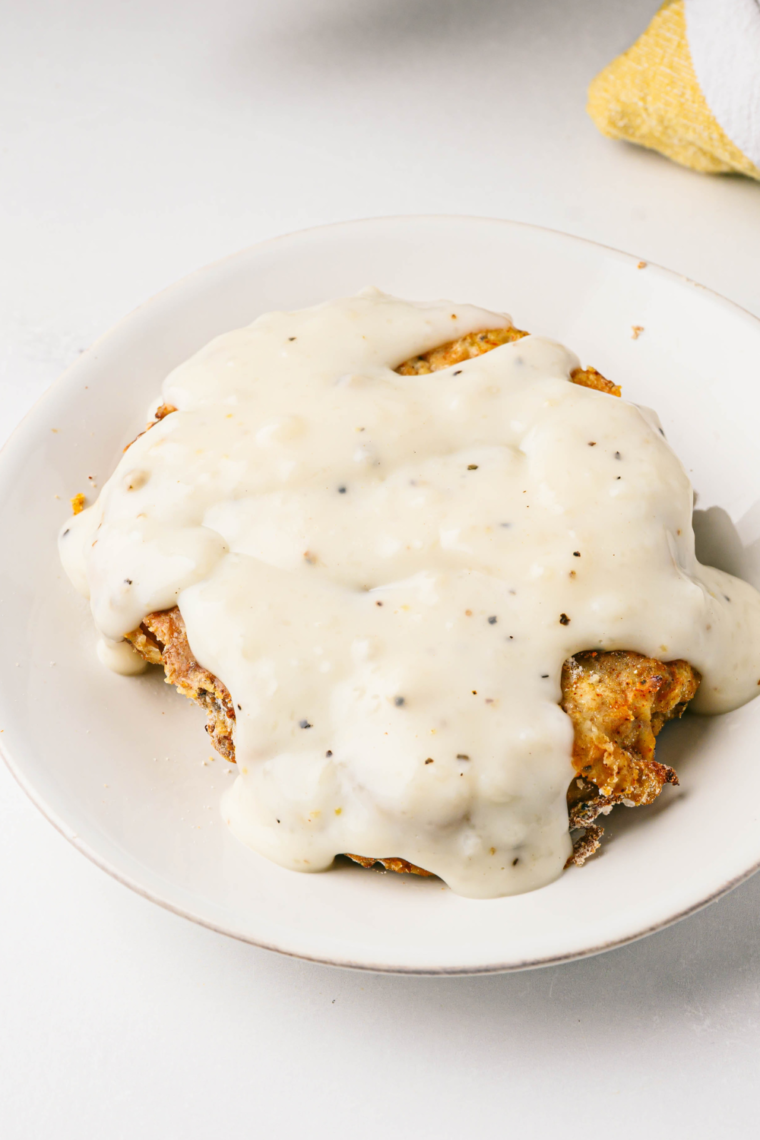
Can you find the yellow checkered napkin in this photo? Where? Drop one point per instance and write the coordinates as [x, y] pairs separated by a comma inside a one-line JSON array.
[[689, 87]]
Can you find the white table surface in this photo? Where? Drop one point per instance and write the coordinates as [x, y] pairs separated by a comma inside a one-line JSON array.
[[141, 140]]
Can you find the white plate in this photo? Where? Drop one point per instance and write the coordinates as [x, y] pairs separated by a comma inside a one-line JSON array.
[[116, 764]]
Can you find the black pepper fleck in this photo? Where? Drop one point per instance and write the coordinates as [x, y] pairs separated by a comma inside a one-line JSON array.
[[304, 724], [430, 760], [493, 619], [378, 603], [127, 581], [240, 707], [472, 466], [576, 554], [341, 490], [462, 756], [458, 372], [329, 752], [515, 861], [592, 443], [398, 702], [544, 676], [618, 455], [564, 619], [68, 528], [291, 338]]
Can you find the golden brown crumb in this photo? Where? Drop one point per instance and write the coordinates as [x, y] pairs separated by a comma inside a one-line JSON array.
[[642, 265], [637, 330], [78, 503]]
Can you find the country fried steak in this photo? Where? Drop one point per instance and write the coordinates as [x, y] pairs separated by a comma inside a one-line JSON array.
[[617, 701]]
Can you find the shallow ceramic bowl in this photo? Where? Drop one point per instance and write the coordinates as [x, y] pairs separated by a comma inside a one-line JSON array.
[[117, 764]]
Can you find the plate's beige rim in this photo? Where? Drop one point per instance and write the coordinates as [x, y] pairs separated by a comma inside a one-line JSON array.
[[429, 971]]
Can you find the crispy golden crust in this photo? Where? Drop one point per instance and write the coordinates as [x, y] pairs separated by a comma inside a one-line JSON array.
[[162, 640], [161, 412], [399, 865], [475, 344], [457, 351], [617, 701], [590, 378]]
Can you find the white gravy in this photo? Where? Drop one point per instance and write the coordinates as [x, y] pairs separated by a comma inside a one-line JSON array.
[[379, 569]]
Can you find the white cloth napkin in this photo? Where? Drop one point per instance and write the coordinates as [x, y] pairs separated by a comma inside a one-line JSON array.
[[724, 41]]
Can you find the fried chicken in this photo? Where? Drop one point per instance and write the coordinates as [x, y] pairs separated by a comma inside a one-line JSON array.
[[617, 701]]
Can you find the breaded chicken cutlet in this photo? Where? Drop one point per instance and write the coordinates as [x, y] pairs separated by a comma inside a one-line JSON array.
[[617, 701]]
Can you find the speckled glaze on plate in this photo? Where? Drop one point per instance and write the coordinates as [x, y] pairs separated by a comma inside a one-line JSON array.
[[117, 764]]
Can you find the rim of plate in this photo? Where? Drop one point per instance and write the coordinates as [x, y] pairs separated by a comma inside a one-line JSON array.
[[101, 861]]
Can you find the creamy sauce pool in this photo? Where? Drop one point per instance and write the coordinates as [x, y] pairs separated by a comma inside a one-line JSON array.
[[387, 572]]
